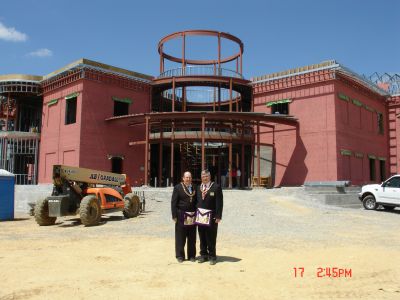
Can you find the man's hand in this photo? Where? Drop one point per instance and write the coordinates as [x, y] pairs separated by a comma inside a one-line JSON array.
[[175, 219], [217, 220]]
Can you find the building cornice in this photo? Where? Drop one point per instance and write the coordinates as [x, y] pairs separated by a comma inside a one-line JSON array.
[[83, 71], [87, 63], [293, 81], [311, 74], [20, 77]]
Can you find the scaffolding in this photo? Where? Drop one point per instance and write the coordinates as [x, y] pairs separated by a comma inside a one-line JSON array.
[[20, 121], [19, 155]]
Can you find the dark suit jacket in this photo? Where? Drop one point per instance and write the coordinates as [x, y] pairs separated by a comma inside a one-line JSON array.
[[180, 201], [213, 200]]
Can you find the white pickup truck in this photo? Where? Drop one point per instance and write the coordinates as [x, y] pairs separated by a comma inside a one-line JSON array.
[[386, 194]]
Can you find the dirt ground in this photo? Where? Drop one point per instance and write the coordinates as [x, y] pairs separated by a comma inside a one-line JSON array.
[[69, 261]]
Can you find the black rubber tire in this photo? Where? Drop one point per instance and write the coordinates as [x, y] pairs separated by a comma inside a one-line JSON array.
[[132, 206], [41, 213], [369, 202], [90, 211], [388, 207]]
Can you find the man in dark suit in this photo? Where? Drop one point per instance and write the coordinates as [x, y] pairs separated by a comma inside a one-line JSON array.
[[183, 207], [209, 199]]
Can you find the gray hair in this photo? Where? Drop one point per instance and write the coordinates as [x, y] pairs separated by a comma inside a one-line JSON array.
[[205, 172]]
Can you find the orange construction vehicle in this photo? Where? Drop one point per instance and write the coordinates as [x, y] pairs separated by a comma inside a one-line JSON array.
[[88, 193]]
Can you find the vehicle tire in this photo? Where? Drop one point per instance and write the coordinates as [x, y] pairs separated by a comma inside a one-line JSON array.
[[41, 213], [388, 207], [132, 205], [90, 211], [369, 202]]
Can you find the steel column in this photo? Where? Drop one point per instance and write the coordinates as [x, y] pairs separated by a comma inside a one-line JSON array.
[[183, 53], [219, 52], [161, 109], [242, 166], [214, 97], [203, 128], [237, 65], [219, 97], [146, 154], [184, 98], [237, 103], [8, 108], [252, 164], [173, 94], [241, 62], [17, 119], [161, 60], [172, 155], [35, 172], [230, 95], [258, 154], [160, 156], [230, 164], [215, 72]]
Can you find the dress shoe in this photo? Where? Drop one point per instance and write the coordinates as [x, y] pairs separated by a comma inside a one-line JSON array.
[[202, 259], [192, 259], [179, 259], [213, 262]]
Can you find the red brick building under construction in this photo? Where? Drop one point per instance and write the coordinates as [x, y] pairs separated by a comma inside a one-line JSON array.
[[322, 122]]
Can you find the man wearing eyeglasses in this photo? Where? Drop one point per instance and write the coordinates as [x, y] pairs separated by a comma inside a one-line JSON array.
[[208, 215]]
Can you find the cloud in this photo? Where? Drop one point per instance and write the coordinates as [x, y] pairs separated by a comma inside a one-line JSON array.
[[11, 34], [44, 52]]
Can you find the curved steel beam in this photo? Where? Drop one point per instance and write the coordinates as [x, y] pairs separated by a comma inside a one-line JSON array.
[[185, 33]]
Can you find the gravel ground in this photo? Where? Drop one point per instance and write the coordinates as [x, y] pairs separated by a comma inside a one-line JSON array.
[[263, 237], [270, 218]]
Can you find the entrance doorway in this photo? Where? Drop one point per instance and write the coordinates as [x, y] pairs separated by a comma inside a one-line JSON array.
[[187, 157]]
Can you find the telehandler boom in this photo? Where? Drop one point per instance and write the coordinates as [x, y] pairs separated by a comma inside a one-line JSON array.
[[88, 193]]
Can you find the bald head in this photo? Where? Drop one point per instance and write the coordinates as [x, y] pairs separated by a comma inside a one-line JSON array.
[[187, 178]]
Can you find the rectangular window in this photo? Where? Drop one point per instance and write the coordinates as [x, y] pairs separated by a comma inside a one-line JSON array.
[[116, 165], [382, 169], [380, 123], [372, 175], [280, 108], [70, 110], [121, 108]]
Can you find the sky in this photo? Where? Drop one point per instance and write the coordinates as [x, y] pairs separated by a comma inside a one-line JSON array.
[[39, 36]]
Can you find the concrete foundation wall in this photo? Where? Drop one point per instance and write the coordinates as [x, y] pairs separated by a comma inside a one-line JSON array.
[[25, 194]]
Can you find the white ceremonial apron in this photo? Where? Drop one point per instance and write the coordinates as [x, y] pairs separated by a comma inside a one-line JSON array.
[[203, 217]]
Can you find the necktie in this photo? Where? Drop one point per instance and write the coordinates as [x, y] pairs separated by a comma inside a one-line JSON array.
[[204, 192]]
